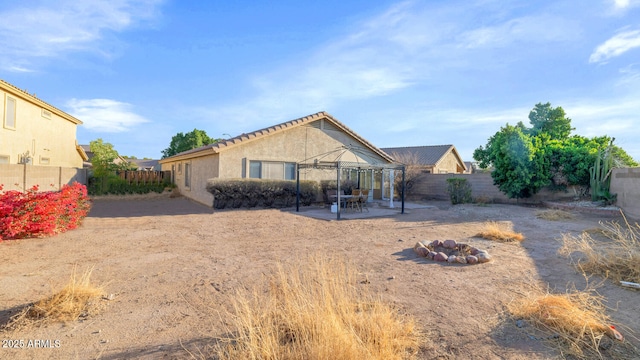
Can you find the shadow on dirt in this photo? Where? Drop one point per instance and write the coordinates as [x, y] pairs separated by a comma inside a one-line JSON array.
[[150, 207]]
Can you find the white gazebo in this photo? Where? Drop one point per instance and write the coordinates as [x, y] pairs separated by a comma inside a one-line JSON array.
[[351, 158]]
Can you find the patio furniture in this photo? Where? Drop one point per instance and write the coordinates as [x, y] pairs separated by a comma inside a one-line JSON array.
[[363, 199], [332, 196], [354, 200]]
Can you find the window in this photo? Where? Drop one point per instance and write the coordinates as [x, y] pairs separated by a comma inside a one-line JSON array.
[[187, 175], [4, 159], [46, 114], [44, 160], [10, 113], [255, 169], [272, 170]]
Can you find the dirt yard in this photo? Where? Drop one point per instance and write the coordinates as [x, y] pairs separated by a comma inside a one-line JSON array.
[[171, 266]]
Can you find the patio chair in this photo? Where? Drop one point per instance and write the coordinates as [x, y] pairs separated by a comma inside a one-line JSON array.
[[354, 201], [364, 197]]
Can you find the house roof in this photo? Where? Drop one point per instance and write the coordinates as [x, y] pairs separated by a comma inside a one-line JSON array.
[[144, 163], [258, 134], [429, 155], [36, 101]]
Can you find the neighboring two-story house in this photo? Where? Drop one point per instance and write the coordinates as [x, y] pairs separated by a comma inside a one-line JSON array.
[[35, 132]]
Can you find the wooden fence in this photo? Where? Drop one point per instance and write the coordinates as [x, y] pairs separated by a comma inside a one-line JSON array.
[[145, 177]]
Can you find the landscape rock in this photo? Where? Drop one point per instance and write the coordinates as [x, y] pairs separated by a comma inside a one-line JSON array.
[[472, 260], [452, 259], [461, 259], [449, 244], [436, 243], [483, 257], [431, 255], [421, 251], [440, 257]]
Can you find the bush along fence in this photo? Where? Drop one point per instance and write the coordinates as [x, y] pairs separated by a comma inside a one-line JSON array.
[[459, 190], [130, 182], [38, 214], [251, 193]]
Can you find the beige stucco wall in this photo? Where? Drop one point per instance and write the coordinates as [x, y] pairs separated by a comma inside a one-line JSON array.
[[626, 184], [449, 164], [202, 169], [22, 177], [53, 138], [290, 145]]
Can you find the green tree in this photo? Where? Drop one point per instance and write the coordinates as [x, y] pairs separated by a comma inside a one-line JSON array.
[[527, 159], [518, 167], [549, 120], [105, 162], [191, 140]]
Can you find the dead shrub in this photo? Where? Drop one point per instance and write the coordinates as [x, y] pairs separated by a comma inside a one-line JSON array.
[[317, 310], [575, 322], [482, 200], [78, 298], [499, 232], [614, 254], [554, 215]]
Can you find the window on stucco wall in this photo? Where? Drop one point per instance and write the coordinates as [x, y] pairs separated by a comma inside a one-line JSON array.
[[187, 175], [10, 113], [274, 170]]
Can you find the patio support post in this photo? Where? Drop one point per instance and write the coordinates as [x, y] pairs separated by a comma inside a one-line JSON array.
[[297, 188], [391, 188], [402, 190], [338, 192]]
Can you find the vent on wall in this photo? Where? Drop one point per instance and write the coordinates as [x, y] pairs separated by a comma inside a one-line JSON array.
[[46, 114], [316, 124], [324, 125], [329, 126]]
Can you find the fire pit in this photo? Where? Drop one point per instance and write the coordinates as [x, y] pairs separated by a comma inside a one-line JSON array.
[[451, 251]]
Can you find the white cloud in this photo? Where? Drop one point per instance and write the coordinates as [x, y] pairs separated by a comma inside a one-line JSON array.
[[625, 4], [56, 28], [105, 115], [407, 45], [616, 46], [531, 29]]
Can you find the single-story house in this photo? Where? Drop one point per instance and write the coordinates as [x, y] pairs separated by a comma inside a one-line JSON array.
[[434, 159], [35, 132], [275, 152], [145, 164]]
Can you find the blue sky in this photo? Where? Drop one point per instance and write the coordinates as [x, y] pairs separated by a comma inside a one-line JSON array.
[[402, 73]]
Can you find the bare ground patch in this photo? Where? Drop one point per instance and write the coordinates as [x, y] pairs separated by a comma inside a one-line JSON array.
[[174, 267]]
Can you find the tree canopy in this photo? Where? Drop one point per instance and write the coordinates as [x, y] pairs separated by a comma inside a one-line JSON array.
[[191, 140], [524, 160], [545, 119], [104, 158]]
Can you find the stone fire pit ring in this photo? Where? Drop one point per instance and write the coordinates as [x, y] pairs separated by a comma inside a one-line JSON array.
[[451, 251]]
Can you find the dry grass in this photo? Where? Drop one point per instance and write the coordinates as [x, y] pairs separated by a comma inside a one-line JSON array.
[[317, 310], [499, 232], [576, 323], [614, 254], [554, 215], [77, 298]]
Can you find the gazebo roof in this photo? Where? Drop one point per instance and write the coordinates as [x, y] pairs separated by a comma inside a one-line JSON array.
[[351, 157]]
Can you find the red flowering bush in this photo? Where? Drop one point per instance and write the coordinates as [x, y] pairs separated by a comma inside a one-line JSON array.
[[38, 214]]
